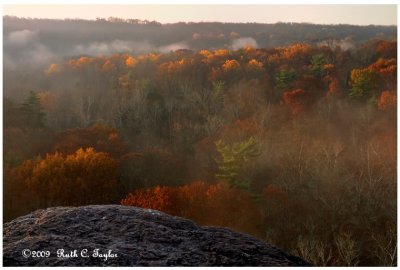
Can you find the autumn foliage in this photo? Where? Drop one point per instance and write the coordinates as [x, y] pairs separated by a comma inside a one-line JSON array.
[[297, 100], [387, 101], [364, 83], [294, 144], [386, 67], [84, 177], [98, 137], [131, 62], [228, 207], [230, 65]]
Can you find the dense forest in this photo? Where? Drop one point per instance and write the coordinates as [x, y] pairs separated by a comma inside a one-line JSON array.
[[36, 41], [291, 139]]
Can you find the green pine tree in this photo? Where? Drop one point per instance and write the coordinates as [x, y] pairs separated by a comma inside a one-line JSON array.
[[284, 78], [233, 159], [317, 65]]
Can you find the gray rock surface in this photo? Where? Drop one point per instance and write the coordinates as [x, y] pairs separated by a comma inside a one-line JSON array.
[[69, 236]]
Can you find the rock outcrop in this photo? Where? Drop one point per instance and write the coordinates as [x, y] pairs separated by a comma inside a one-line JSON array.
[[114, 235]]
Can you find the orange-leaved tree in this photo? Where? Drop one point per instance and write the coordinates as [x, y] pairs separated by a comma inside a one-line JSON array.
[[217, 205], [387, 101], [84, 177], [297, 100]]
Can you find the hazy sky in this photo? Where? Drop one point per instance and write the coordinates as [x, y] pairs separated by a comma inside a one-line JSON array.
[[323, 14]]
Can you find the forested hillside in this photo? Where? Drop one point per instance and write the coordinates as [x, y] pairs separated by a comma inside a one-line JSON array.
[[294, 144], [37, 41]]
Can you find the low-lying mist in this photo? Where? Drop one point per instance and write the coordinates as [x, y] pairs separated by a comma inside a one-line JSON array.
[[29, 43]]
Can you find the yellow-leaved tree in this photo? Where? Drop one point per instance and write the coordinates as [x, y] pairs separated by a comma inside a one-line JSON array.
[[84, 177]]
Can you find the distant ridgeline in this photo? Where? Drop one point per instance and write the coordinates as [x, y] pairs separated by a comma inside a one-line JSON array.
[[79, 37]]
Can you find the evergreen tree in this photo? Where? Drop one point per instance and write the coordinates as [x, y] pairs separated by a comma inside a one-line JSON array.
[[317, 65], [234, 158], [284, 78]]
